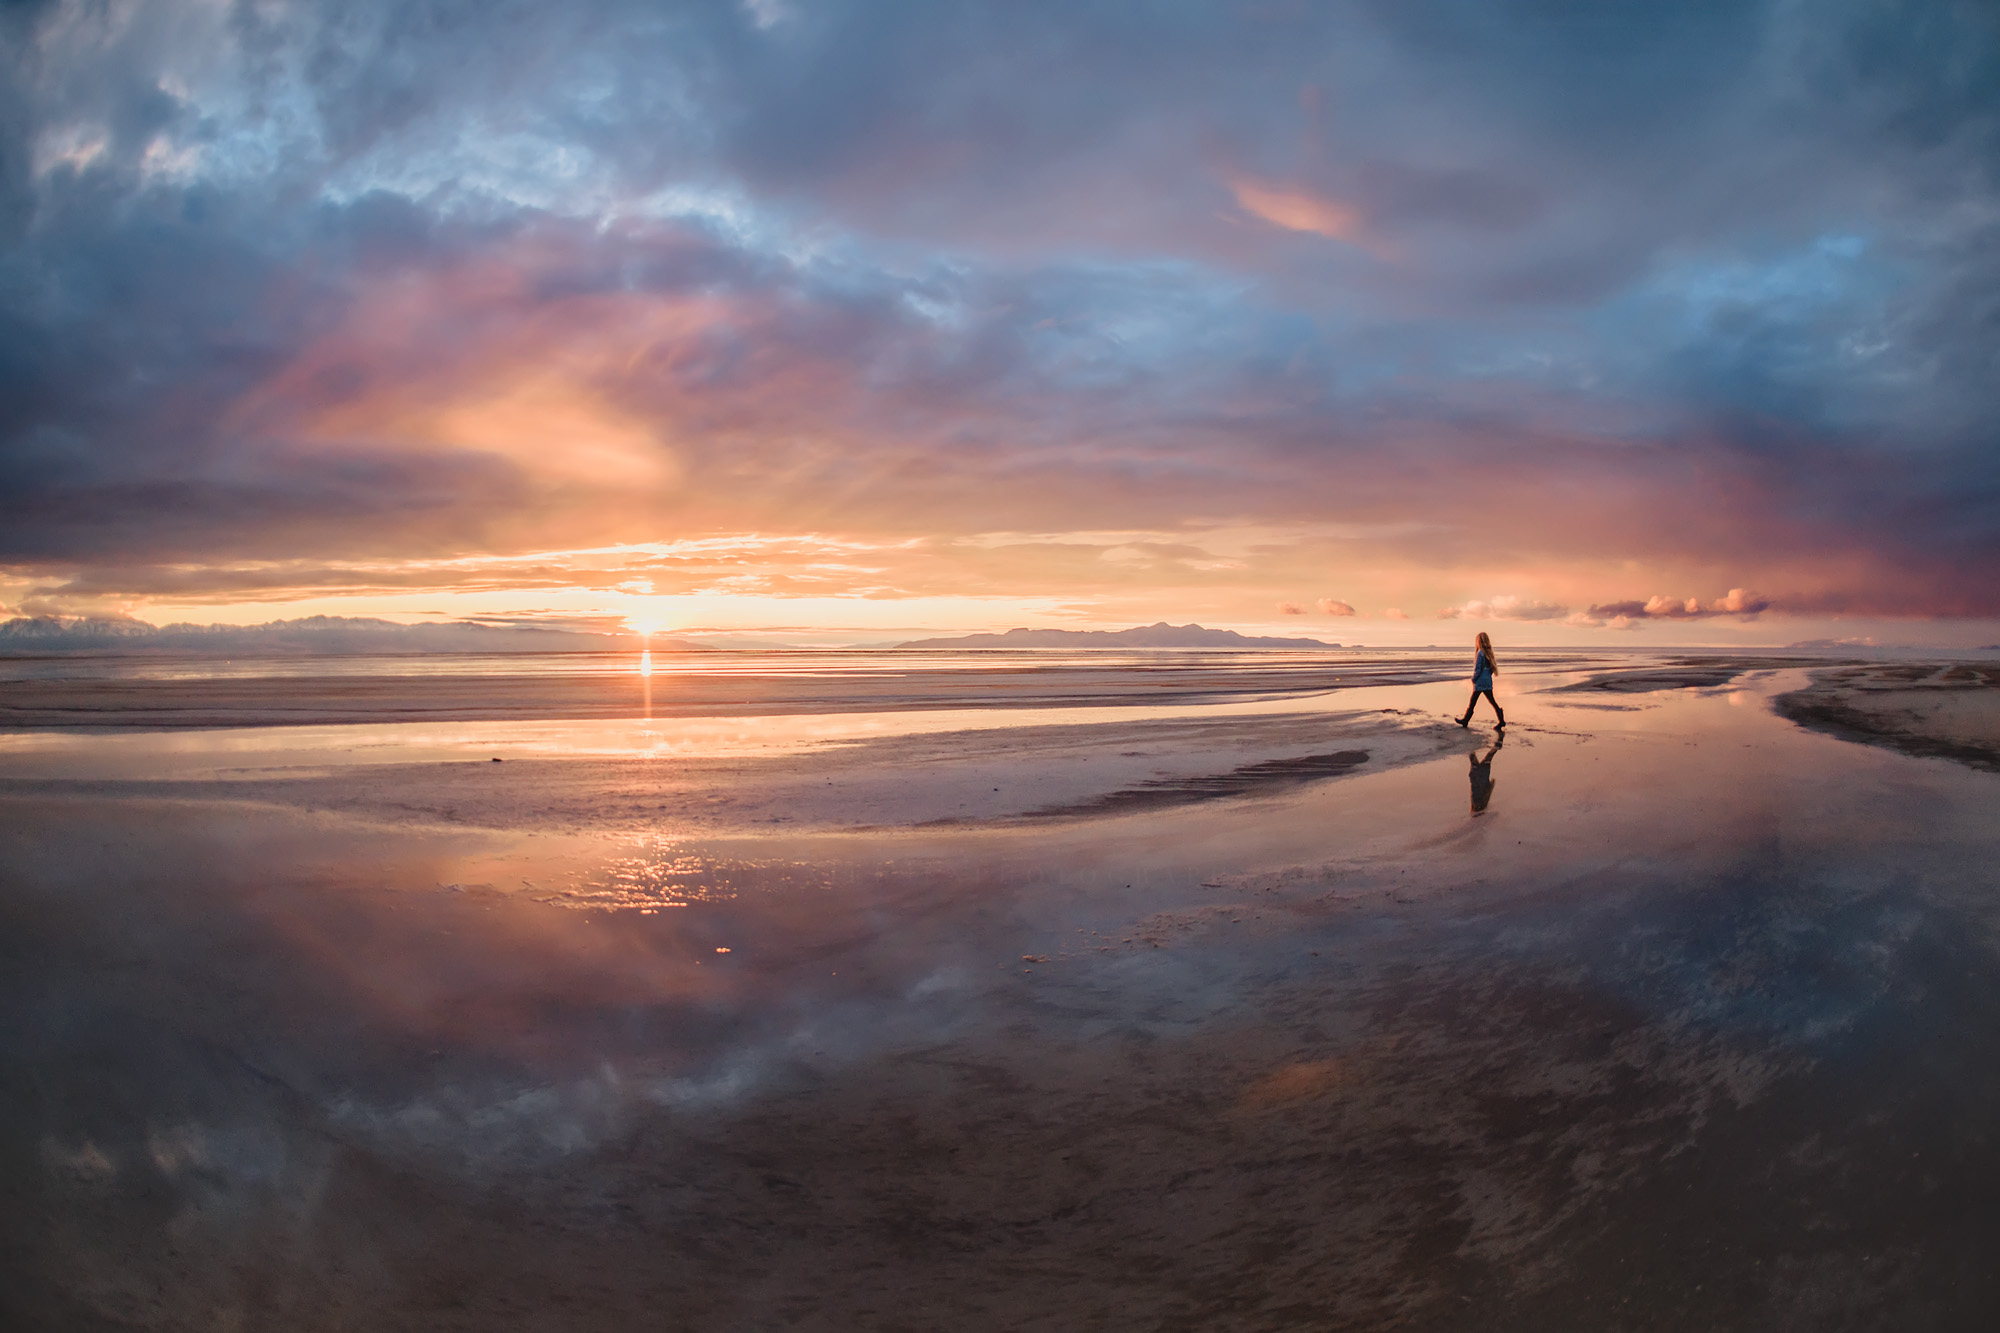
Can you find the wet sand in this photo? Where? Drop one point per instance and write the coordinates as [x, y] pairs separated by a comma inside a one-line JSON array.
[[1679, 673], [1692, 1026], [1950, 710]]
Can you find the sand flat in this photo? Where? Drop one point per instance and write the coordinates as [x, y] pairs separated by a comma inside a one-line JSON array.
[[1950, 710]]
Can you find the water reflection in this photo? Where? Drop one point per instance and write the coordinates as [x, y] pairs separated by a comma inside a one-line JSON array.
[[658, 871], [253, 1054], [1482, 775]]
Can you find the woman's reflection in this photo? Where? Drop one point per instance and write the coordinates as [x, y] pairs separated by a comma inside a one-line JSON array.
[[1482, 775]]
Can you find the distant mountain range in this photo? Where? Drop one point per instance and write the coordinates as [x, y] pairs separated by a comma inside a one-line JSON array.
[[1161, 635], [45, 635]]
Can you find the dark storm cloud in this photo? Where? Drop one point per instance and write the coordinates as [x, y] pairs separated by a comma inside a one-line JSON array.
[[1675, 281]]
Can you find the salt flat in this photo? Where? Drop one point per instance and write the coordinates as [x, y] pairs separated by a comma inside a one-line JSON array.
[[1098, 1008]]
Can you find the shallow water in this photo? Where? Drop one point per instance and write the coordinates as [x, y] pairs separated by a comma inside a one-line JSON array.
[[923, 693], [242, 750], [1690, 1024], [127, 694], [824, 663]]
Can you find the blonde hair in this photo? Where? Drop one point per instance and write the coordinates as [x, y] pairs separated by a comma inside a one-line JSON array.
[[1486, 650]]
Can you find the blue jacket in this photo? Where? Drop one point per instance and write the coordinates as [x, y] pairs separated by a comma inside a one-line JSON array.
[[1482, 672]]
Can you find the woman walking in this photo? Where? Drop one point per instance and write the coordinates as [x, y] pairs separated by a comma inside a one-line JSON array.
[[1482, 682]]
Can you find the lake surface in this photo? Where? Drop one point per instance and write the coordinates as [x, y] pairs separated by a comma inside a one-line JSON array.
[[867, 1005]]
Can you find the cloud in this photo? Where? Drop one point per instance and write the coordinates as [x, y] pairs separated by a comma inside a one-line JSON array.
[[1505, 608], [1333, 606], [1394, 613], [1698, 297], [1298, 210], [1739, 602], [1290, 609]]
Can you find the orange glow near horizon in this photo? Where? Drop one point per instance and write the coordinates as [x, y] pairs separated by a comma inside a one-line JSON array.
[[824, 587]]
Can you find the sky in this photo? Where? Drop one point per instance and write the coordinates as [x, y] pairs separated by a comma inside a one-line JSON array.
[[1585, 322]]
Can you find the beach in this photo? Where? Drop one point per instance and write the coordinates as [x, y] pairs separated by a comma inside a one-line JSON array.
[[1001, 991]]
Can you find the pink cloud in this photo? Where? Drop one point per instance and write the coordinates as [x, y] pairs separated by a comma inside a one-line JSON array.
[[515, 410], [1290, 609], [1395, 613], [1297, 209], [1505, 608], [1738, 602]]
